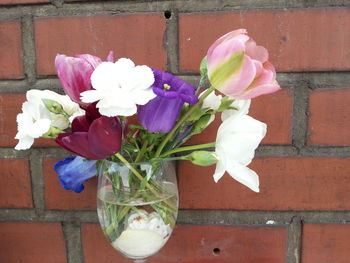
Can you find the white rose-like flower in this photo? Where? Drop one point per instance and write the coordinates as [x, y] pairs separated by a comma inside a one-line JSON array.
[[237, 138], [119, 87], [33, 122], [35, 119], [242, 107]]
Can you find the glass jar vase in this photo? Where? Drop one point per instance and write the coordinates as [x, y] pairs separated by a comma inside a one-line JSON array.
[[137, 205]]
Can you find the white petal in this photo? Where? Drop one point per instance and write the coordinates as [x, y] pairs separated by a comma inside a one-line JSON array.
[[238, 137], [141, 97], [105, 77], [245, 176], [213, 101], [124, 64], [219, 170], [117, 111], [59, 121], [24, 143], [38, 128], [140, 77], [241, 105], [90, 96]]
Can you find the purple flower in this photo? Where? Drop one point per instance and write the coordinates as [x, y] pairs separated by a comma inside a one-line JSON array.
[[160, 114], [73, 172], [93, 136]]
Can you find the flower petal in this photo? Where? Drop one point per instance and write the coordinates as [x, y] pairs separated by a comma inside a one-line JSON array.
[[105, 135], [244, 175]]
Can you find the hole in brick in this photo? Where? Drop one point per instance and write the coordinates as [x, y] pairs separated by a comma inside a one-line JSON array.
[[167, 14], [216, 251]]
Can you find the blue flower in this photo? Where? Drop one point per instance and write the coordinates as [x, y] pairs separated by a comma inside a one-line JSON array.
[[74, 171]]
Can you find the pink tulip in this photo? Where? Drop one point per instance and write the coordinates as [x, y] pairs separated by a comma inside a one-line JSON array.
[[75, 72], [239, 68]]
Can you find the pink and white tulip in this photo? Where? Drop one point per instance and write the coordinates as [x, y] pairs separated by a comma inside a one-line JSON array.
[[239, 68], [75, 72]]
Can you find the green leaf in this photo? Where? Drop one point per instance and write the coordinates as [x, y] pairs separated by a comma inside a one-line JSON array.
[[203, 67], [201, 124], [225, 104]]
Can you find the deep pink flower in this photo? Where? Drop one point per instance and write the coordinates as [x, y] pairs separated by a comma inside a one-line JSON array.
[[93, 136], [239, 68], [75, 72]]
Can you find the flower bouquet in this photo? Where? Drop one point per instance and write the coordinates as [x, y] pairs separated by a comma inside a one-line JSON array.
[[137, 190]]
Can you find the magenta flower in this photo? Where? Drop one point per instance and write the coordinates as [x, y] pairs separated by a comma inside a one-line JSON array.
[[75, 72], [160, 114], [93, 136], [239, 68]]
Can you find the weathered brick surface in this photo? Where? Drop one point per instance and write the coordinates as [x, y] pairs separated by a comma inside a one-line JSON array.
[[274, 109], [10, 50], [324, 243], [57, 198], [10, 106], [195, 244], [138, 37], [15, 186], [329, 117], [297, 40], [31, 242], [310, 183], [15, 2]]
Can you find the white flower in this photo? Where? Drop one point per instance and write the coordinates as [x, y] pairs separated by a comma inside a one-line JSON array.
[[33, 122], [238, 137], [212, 101], [35, 119], [144, 236], [57, 120], [119, 87], [242, 107]]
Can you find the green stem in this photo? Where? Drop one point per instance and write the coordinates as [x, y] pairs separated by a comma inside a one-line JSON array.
[[140, 177], [141, 152], [189, 148], [182, 120]]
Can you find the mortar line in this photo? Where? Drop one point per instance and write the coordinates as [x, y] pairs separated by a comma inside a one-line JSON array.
[[172, 42], [103, 7], [188, 216], [37, 181], [28, 49], [300, 114], [72, 237], [294, 240]]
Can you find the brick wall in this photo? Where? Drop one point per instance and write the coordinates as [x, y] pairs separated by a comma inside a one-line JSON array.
[[304, 162]]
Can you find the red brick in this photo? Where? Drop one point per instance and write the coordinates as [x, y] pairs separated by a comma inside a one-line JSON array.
[[139, 37], [56, 197], [10, 106], [10, 50], [15, 2], [310, 183], [291, 36], [324, 243], [195, 244], [15, 187], [31, 242], [329, 122], [273, 109]]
